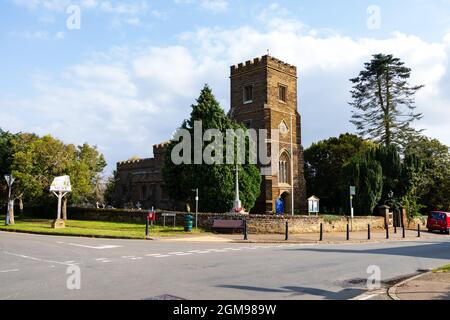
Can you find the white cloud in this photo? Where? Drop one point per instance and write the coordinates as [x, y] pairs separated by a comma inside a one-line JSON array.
[[127, 99], [60, 35], [215, 6], [51, 5], [31, 35]]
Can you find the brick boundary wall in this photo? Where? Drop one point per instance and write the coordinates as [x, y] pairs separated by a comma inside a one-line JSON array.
[[257, 224]]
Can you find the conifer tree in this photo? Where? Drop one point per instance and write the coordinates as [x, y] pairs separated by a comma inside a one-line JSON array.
[[215, 181], [383, 101]]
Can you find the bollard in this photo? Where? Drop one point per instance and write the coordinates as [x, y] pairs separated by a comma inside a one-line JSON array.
[[287, 231], [418, 230], [368, 232], [387, 231], [147, 227], [403, 232], [245, 231], [321, 232], [348, 232], [395, 229]]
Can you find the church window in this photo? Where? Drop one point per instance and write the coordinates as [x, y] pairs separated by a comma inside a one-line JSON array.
[[282, 93], [248, 94], [284, 169]]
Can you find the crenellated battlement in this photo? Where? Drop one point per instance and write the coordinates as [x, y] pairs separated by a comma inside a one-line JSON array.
[[263, 62], [136, 163], [133, 162], [160, 147]]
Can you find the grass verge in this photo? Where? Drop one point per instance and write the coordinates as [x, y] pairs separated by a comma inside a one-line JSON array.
[[94, 229], [443, 269]]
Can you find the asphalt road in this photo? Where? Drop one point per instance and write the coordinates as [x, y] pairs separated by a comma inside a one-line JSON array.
[[35, 267]]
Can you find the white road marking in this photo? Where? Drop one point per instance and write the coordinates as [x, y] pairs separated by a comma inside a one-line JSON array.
[[369, 295], [152, 254], [105, 260], [178, 252], [38, 259], [131, 257], [6, 271], [94, 247], [184, 254], [162, 256]]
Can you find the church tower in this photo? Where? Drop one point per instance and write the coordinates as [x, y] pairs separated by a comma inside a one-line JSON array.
[[264, 96]]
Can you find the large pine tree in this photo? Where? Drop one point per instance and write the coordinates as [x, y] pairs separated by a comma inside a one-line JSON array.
[[215, 181], [383, 101]]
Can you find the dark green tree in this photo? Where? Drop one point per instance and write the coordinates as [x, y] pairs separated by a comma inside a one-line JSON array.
[[6, 151], [324, 162], [383, 101], [391, 164], [366, 174], [400, 178], [110, 189], [214, 181], [434, 180]]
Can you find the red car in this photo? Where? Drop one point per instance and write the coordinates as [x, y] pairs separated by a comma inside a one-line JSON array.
[[439, 221]]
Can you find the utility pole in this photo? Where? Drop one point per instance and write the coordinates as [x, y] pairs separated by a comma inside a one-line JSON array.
[[196, 208], [10, 214]]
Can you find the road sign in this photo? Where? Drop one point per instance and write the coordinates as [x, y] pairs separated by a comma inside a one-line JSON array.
[[151, 216], [9, 180], [61, 184], [352, 193]]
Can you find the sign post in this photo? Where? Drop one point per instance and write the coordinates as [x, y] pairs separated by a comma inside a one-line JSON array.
[[352, 193], [10, 213], [151, 216], [196, 207], [60, 187]]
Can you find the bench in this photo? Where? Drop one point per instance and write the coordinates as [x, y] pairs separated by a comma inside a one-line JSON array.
[[228, 225]]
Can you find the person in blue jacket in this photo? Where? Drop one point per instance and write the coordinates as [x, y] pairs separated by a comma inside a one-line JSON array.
[[279, 205]]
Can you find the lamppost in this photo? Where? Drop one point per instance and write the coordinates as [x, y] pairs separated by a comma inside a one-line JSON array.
[[196, 206], [9, 180], [237, 202]]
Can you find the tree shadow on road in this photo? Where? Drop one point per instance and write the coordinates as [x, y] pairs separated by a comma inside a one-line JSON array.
[[344, 294], [431, 251]]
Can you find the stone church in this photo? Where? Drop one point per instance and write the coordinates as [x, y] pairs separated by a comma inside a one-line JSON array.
[[263, 96]]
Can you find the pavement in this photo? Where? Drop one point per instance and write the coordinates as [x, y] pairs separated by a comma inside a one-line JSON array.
[[330, 238], [428, 286], [43, 267]]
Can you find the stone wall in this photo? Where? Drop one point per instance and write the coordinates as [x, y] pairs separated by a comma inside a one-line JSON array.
[[413, 223], [264, 224]]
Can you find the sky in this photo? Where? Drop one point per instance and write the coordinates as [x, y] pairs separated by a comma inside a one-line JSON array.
[[122, 75]]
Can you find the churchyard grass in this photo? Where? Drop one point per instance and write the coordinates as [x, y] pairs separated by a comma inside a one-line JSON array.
[[93, 228]]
